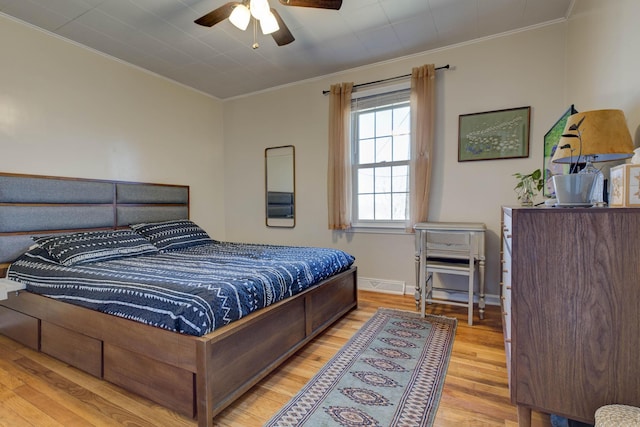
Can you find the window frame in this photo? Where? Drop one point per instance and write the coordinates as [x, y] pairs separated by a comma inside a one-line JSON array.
[[373, 224]]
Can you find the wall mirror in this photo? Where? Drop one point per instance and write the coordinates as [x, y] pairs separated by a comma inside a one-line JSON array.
[[280, 167]]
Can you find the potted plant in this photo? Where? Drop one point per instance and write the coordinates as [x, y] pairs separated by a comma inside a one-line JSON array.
[[576, 188], [574, 128], [528, 186]]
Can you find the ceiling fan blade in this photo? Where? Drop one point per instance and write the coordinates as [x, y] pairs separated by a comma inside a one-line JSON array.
[[283, 36], [217, 15], [320, 4]]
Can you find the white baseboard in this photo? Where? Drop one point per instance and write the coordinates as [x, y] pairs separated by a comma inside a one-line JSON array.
[[400, 288], [381, 285]]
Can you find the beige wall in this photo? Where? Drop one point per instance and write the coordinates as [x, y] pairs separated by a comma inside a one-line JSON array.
[[520, 69], [603, 58], [68, 111]]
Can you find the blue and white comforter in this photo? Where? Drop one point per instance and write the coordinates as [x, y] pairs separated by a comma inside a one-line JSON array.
[[192, 291]]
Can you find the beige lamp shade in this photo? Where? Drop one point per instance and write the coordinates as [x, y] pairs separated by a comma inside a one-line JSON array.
[[605, 135]]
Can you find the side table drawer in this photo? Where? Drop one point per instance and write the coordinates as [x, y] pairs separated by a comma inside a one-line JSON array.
[[448, 244]]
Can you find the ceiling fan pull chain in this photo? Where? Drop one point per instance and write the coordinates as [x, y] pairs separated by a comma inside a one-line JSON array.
[[255, 44]]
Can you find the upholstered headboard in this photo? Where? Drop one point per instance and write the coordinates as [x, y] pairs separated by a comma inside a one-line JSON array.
[[33, 205]]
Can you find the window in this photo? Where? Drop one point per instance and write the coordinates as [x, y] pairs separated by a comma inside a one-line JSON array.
[[381, 152]]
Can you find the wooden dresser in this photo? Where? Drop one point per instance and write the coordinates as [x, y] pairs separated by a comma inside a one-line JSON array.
[[571, 309]]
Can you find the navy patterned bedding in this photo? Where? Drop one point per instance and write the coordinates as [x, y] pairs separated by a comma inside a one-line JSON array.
[[191, 290]]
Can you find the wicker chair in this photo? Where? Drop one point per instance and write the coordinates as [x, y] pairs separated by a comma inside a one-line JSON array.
[[618, 416]]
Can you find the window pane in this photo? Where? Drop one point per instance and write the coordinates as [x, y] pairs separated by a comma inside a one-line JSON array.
[[384, 124], [365, 207], [401, 121], [383, 207], [400, 179], [399, 206], [366, 151], [366, 124], [383, 180], [382, 152], [401, 147], [384, 149], [365, 180]]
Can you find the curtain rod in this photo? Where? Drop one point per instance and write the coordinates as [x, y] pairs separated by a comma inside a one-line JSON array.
[[444, 67]]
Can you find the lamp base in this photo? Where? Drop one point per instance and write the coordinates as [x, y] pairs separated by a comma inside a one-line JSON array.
[[597, 193]]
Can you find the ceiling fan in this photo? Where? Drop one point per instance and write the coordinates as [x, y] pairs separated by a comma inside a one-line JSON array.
[[240, 13]]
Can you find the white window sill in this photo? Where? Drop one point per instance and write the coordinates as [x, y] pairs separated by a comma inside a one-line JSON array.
[[377, 230]]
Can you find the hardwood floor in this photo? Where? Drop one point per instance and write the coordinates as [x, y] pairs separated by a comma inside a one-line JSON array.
[[37, 390]]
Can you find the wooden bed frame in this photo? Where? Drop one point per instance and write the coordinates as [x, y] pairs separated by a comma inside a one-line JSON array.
[[195, 376]]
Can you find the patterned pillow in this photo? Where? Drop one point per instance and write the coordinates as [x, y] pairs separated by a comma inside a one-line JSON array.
[[174, 234], [93, 246]]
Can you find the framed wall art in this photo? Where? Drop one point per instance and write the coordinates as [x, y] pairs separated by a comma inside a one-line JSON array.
[[625, 185], [499, 134], [551, 139]]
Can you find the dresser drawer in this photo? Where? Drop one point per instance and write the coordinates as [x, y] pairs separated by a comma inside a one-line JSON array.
[[507, 230], [505, 289], [506, 312]]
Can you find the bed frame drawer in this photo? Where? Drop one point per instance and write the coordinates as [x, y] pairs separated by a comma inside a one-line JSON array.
[[330, 302], [256, 348], [165, 384], [71, 347], [19, 327]]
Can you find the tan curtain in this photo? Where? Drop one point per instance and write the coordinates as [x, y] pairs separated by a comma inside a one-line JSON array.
[[339, 174], [422, 132]]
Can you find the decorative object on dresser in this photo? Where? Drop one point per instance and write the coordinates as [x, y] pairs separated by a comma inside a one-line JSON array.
[[390, 373], [455, 248], [597, 136], [570, 300], [528, 186], [625, 185], [499, 134]]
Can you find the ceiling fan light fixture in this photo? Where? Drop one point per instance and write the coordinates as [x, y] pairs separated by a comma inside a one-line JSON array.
[[259, 8], [269, 24], [240, 17]]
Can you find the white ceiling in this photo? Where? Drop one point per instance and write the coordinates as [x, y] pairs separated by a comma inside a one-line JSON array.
[[160, 35]]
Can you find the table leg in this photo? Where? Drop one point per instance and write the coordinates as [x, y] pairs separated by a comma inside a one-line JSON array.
[[416, 294], [481, 302]]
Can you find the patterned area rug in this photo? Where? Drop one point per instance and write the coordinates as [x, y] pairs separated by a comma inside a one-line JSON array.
[[390, 373]]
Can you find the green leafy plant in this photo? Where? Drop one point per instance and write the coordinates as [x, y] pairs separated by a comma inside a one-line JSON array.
[[528, 186]]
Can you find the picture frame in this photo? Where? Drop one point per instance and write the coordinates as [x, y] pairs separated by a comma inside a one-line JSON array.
[[625, 186], [551, 139], [491, 135]]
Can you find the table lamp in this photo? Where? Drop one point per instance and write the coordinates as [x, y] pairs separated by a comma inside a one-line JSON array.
[[594, 136]]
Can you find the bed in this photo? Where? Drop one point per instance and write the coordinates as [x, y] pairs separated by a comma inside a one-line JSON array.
[[194, 370]]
